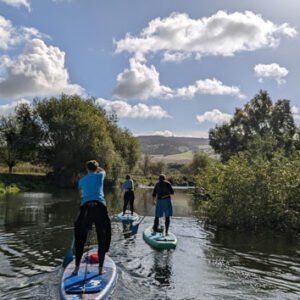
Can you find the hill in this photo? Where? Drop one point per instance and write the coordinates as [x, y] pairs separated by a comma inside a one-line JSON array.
[[161, 145]]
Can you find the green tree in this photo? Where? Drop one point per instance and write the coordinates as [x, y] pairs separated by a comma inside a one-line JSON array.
[[10, 150], [76, 130], [20, 135], [259, 119]]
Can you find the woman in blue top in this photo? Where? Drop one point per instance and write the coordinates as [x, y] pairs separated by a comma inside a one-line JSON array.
[[128, 188], [92, 210]]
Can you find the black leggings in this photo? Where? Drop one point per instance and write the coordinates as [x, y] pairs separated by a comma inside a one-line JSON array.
[[128, 197], [156, 223], [92, 212]]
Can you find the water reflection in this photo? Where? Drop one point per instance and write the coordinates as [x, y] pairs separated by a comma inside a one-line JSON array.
[[162, 267], [37, 229]]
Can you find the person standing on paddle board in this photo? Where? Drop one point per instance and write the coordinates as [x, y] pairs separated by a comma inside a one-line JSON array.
[[92, 210], [162, 193], [128, 188]]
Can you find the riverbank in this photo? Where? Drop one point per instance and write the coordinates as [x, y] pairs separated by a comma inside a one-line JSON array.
[[13, 183]]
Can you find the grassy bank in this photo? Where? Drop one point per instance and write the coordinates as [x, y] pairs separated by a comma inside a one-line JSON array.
[[12, 183]]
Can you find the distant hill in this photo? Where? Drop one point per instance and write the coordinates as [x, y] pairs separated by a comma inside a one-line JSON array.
[[161, 145]]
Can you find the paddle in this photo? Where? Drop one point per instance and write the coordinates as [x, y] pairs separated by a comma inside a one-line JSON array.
[[135, 227], [69, 255]]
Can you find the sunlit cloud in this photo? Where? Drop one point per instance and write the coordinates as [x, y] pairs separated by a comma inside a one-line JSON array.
[[38, 71], [209, 87], [11, 35], [214, 116], [18, 3], [273, 71], [125, 110], [142, 82], [224, 34]]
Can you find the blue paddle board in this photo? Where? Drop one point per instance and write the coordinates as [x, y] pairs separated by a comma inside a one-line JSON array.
[[159, 240], [88, 285]]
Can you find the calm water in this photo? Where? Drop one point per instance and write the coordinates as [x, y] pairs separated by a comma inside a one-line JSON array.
[[36, 230]]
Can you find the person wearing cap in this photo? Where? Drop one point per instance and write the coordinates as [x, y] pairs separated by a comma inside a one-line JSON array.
[[128, 188], [92, 210], [162, 193]]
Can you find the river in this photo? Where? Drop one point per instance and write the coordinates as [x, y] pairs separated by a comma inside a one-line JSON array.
[[36, 231]]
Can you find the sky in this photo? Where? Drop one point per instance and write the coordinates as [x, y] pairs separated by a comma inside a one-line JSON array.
[[172, 67]]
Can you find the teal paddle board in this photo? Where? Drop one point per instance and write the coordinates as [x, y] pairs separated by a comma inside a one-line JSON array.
[[159, 240], [89, 285]]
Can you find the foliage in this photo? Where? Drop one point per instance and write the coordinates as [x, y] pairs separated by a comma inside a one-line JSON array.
[[76, 130], [20, 135], [258, 120], [252, 192], [200, 161]]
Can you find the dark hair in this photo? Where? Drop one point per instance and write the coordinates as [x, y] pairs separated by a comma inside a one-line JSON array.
[[92, 165], [127, 177], [162, 177]]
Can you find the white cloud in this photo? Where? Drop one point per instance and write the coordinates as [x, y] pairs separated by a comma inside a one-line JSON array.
[[271, 71], [142, 82], [8, 109], [18, 3], [209, 86], [295, 112], [166, 133], [11, 36], [169, 56], [139, 82], [125, 110], [222, 34], [38, 71], [214, 116]]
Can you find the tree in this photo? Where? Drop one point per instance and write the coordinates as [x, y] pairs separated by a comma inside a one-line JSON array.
[[145, 165], [20, 136], [9, 142], [258, 120], [76, 130]]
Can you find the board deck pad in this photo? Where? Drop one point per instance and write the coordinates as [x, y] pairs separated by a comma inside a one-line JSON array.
[[159, 240], [128, 217], [89, 285]]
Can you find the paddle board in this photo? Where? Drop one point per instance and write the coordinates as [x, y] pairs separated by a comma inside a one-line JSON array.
[[160, 240], [88, 285], [128, 217]]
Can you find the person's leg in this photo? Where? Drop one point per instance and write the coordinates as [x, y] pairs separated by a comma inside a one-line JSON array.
[[131, 202], [103, 228], [80, 233], [167, 224], [156, 223], [126, 200]]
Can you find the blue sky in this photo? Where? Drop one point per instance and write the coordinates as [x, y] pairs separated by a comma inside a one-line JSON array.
[[169, 67]]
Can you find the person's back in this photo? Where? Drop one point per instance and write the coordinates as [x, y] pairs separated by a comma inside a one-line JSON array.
[[128, 187], [92, 211], [92, 187], [163, 189], [162, 192]]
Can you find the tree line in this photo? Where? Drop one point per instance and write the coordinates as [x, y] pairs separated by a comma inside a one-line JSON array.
[[64, 132], [256, 183]]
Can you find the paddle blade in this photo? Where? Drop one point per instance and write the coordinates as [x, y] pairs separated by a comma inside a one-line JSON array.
[[68, 257]]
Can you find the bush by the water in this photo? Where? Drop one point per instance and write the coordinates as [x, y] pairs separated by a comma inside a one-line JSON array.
[[8, 189], [252, 193]]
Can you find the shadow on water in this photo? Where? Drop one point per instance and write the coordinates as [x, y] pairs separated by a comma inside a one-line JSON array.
[[36, 231]]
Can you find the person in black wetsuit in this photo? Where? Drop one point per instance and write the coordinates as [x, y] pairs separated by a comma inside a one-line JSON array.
[[162, 193], [128, 188], [92, 210]]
